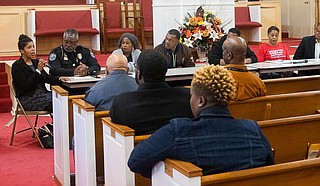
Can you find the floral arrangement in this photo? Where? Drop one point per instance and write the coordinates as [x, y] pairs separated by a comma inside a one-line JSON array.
[[201, 30]]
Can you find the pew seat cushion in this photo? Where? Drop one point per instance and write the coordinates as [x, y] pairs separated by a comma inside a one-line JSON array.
[[56, 22], [247, 25]]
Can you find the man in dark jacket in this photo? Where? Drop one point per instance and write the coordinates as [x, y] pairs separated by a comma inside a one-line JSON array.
[[71, 59], [309, 48], [176, 53], [215, 55], [154, 103]]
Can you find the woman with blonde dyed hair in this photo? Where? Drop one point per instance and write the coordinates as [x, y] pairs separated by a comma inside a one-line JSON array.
[[211, 85], [213, 140]]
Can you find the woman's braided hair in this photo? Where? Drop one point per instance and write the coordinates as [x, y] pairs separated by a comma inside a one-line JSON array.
[[215, 83]]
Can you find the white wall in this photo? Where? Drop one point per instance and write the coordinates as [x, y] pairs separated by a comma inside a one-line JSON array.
[[167, 14]]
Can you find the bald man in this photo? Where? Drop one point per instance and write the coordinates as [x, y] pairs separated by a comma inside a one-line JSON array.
[[116, 82], [248, 84]]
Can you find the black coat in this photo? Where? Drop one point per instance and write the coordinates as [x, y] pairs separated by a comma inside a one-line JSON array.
[[215, 54], [306, 48], [26, 80], [151, 107], [63, 63]]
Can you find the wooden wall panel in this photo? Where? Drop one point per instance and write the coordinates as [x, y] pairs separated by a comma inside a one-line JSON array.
[[13, 22]]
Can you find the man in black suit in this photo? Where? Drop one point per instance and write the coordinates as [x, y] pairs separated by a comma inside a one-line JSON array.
[[215, 54], [154, 103], [309, 48]]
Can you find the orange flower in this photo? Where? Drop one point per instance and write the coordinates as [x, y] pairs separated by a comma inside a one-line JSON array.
[[217, 21], [193, 21], [200, 19], [188, 34], [195, 30], [205, 33]]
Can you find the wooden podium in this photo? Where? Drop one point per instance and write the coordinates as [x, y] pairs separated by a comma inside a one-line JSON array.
[[168, 14]]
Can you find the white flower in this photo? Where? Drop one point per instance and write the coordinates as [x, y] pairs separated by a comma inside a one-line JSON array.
[[197, 35], [214, 35], [188, 42]]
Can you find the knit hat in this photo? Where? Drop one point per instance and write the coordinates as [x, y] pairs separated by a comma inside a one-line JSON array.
[[133, 39]]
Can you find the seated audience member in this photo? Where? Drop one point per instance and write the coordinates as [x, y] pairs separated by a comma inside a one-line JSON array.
[[309, 48], [71, 59], [248, 84], [155, 103], [128, 46], [213, 140], [215, 54], [176, 53], [29, 78], [116, 82], [273, 50]]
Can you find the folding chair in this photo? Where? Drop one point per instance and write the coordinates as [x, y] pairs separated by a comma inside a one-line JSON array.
[[21, 111]]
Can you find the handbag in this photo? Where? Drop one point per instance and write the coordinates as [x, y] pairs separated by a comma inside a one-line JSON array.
[[45, 134]]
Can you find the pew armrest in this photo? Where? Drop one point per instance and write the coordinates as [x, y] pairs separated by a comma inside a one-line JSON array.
[[172, 172], [83, 105], [80, 96], [121, 129], [60, 90], [176, 172]]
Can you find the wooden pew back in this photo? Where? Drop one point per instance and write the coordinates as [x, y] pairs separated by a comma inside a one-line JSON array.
[[277, 106], [292, 84], [177, 173], [119, 141], [88, 142], [290, 136], [61, 135], [63, 127]]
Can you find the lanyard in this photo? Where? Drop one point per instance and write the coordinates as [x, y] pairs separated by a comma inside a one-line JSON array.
[[174, 60]]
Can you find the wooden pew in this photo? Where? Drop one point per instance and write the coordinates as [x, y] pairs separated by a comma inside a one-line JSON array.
[[290, 136], [277, 106], [63, 132], [87, 142], [179, 173], [292, 84], [118, 141]]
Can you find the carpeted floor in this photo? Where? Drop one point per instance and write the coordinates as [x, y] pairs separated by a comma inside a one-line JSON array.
[[24, 163]]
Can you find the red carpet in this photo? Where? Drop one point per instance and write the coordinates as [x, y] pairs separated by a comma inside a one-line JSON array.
[[24, 163]]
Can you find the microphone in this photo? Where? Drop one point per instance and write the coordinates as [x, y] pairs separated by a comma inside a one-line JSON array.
[[46, 65]]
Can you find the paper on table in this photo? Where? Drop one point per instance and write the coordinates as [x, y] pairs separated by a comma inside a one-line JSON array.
[[78, 79]]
